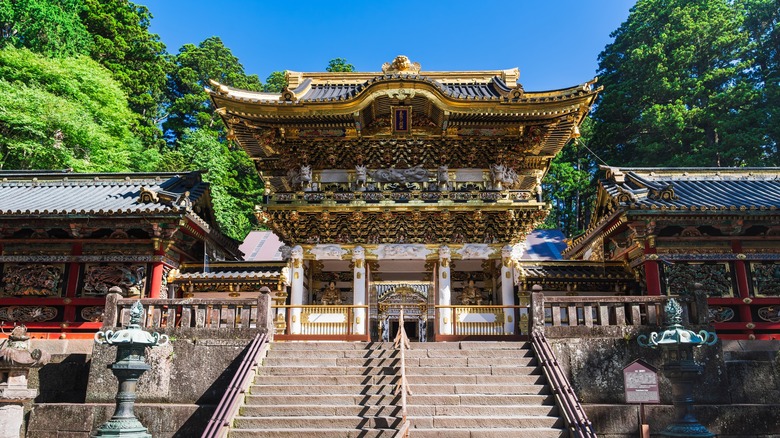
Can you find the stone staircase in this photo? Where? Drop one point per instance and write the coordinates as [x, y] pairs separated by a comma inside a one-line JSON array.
[[345, 389], [479, 389]]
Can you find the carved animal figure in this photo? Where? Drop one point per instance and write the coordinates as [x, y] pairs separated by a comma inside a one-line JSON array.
[[301, 177], [361, 176], [412, 174], [503, 177], [443, 176]]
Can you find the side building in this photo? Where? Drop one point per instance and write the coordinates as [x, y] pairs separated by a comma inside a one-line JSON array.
[[68, 239], [719, 227]]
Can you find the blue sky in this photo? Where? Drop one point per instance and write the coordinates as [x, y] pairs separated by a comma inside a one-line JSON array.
[[555, 43]]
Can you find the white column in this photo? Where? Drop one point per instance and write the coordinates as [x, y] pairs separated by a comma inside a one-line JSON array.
[[296, 289], [445, 292], [507, 289], [359, 290]]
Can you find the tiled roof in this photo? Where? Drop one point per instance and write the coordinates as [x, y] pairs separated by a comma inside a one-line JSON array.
[[577, 270], [695, 188], [228, 272], [64, 193], [474, 89]]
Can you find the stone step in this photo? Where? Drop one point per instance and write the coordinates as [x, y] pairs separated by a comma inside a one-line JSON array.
[[480, 389], [321, 399], [324, 370], [393, 379], [322, 389], [392, 399], [395, 410], [480, 399], [316, 422], [475, 370], [503, 353], [322, 410], [325, 345], [411, 362], [485, 422], [489, 433], [312, 433]]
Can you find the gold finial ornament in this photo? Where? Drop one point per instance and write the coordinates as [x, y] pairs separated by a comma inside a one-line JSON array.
[[401, 64]]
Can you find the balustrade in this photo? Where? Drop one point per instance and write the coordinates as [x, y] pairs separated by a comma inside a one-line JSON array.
[[205, 313], [488, 321], [338, 322]]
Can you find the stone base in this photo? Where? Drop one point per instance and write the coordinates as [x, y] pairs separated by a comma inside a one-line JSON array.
[[80, 420], [11, 420]]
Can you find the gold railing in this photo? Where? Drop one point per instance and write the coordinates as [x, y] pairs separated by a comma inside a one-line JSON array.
[[326, 321], [401, 343], [491, 320]]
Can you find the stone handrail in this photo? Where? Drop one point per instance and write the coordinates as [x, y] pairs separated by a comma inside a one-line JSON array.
[[191, 313], [606, 316]]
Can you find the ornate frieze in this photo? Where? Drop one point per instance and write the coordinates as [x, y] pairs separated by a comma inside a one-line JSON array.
[[715, 278], [720, 313], [766, 279], [402, 251], [475, 251], [43, 280], [99, 279], [769, 313], [92, 313], [28, 313], [328, 252], [390, 227]]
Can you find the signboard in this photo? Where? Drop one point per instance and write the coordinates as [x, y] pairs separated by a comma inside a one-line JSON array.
[[402, 119], [641, 383]]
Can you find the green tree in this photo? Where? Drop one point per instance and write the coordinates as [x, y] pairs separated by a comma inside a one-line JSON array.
[[193, 67], [762, 22], [137, 58], [275, 82], [569, 186], [675, 89], [48, 27], [339, 64], [52, 117], [235, 188]]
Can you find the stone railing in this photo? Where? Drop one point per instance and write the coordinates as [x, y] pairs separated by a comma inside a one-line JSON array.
[[606, 316], [402, 196], [191, 313]]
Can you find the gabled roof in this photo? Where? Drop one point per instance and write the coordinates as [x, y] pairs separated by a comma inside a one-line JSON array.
[[103, 194], [691, 191], [54, 194], [694, 188]]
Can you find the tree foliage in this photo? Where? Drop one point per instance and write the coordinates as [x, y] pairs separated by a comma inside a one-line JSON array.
[[48, 27], [193, 67], [678, 89], [569, 186], [51, 117], [339, 65], [235, 188], [121, 42]]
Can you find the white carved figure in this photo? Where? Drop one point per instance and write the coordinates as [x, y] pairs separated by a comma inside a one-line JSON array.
[[328, 252], [475, 251], [444, 252], [506, 252], [412, 174], [300, 177], [361, 176], [443, 177], [402, 251], [503, 177], [296, 252], [358, 253]]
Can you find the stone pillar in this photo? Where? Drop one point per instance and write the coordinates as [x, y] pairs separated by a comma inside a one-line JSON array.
[[16, 360], [445, 291], [359, 290], [508, 289], [296, 289]]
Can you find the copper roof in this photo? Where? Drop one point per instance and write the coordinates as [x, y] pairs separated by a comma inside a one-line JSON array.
[[64, 193]]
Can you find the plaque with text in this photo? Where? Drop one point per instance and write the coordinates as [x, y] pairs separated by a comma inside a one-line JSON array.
[[402, 119], [641, 383]]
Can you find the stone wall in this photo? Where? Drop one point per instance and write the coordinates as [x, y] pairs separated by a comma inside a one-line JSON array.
[[738, 394]]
